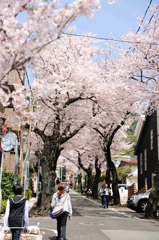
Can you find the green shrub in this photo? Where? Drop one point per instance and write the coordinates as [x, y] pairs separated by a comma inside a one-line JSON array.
[[28, 194], [7, 185], [3, 206], [7, 188]]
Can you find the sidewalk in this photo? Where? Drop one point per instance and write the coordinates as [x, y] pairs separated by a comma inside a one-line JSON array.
[[3, 236], [121, 209]]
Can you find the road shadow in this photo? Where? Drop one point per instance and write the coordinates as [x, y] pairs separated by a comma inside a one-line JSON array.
[[54, 238]]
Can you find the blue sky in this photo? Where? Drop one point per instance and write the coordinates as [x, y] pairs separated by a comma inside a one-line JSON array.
[[117, 19]]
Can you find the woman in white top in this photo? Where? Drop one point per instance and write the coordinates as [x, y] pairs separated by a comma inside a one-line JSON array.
[[101, 193], [62, 196], [106, 194]]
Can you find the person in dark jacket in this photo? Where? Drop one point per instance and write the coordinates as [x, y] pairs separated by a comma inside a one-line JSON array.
[[16, 214]]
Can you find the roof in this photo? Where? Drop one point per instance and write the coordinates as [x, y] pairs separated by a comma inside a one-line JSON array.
[[140, 128], [128, 162]]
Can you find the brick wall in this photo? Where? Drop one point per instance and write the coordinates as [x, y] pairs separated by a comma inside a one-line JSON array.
[[9, 162], [132, 189]]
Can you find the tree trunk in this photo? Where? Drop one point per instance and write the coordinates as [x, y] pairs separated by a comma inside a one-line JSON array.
[[89, 175], [151, 209], [48, 161], [96, 179], [88, 171], [79, 177], [112, 173], [48, 186], [115, 189], [50, 153], [95, 186]]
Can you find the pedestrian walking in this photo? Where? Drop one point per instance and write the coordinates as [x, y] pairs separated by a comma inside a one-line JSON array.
[[81, 190], [101, 193], [89, 193], [16, 214], [106, 195], [57, 181], [62, 197]]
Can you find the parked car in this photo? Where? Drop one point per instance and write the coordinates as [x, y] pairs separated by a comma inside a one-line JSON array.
[[138, 202]]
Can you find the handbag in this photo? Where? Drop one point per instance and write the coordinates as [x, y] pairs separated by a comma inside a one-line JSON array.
[[57, 210], [51, 214]]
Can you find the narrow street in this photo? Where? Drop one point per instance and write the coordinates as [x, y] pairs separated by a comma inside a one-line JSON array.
[[79, 109], [91, 221]]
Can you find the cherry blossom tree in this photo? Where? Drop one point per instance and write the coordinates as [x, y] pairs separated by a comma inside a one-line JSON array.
[[122, 102], [116, 96], [92, 183], [137, 64], [143, 63], [98, 171], [85, 151], [27, 27], [43, 22], [65, 72], [68, 81]]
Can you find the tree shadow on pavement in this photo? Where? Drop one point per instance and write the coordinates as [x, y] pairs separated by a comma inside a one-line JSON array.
[[54, 238]]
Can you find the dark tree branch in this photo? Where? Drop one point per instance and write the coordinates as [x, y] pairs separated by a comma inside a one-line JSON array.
[[64, 139], [81, 164]]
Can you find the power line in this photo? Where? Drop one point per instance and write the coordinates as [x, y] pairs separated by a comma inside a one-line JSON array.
[[145, 16], [108, 39], [119, 40]]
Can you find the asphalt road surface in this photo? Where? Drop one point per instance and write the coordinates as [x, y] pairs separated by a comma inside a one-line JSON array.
[[91, 221]]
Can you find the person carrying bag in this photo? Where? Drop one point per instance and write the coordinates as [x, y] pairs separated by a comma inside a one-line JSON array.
[[62, 208], [58, 209]]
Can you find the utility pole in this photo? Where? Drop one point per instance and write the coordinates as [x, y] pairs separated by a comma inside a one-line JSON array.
[[2, 162]]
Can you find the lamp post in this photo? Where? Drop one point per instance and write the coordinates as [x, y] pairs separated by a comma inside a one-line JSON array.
[[38, 175], [62, 170], [61, 173], [16, 161], [27, 162]]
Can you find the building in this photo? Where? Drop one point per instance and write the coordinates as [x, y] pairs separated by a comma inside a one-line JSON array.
[[147, 132], [131, 177], [7, 117]]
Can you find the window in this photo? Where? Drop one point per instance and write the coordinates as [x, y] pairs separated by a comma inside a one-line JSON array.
[[141, 164], [151, 139], [146, 183], [145, 159], [152, 178]]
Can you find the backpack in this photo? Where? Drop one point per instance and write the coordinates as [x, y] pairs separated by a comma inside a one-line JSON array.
[[16, 213]]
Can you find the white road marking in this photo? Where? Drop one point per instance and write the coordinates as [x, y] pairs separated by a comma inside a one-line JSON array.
[[131, 235]]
